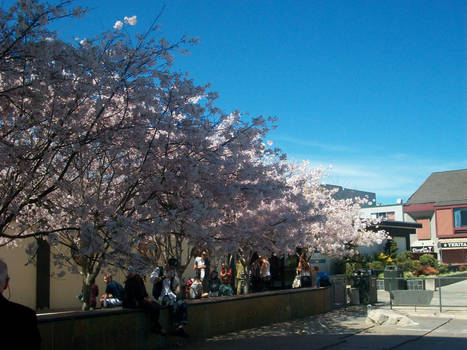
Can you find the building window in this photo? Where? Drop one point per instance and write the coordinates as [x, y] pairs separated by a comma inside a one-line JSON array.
[[460, 217], [390, 215]]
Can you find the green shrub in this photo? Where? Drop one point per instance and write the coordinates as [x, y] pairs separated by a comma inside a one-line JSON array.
[[405, 262], [376, 265], [390, 248], [428, 260], [443, 268], [404, 256]]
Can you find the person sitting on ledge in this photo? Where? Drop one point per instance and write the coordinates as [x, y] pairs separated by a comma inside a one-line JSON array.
[[214, 284], [136, 297], [166, 282], [323, 278], [114, 292], [226, 281]]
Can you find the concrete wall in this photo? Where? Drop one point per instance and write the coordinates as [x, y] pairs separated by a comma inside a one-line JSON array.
[[128, 329], [63, 289], [22, 286]]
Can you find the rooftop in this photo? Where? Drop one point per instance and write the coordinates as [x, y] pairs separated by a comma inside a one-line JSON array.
[[442, 188]]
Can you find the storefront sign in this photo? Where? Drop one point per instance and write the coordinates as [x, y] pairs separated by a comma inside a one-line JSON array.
[[317, 261], [422, 250], [454, 245]]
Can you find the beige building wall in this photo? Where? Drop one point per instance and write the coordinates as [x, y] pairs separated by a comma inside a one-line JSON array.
[[63, 290], [22, 275]]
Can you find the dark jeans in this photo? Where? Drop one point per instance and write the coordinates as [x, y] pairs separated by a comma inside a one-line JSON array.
[[178, 310], [305, 281], [256, 284], [266, 283], [152, 309]]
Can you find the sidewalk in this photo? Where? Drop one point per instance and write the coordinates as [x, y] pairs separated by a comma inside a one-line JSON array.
[[347, 329]]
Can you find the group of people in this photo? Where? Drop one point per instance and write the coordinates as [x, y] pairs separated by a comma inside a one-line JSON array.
[[166, 291], [308, 276], [134, 295], [207, 283]]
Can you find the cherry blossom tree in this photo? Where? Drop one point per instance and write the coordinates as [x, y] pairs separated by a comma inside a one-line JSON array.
[[107, 152], [72, 118]]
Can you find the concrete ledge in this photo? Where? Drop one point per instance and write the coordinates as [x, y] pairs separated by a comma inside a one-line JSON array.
[[129, 329]]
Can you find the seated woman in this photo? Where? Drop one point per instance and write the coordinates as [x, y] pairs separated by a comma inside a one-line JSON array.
[[304, 270], [214, 284], [225, 288]]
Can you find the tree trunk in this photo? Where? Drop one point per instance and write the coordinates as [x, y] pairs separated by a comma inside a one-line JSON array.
[[89, 278]]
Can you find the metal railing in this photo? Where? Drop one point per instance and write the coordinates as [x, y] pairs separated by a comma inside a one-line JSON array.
[[434, 292]]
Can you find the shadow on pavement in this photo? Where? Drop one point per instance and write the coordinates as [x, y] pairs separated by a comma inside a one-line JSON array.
[[337, 330]]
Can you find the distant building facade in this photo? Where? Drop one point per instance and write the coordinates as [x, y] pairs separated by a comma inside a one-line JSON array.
[[440, 206], [392, 219]]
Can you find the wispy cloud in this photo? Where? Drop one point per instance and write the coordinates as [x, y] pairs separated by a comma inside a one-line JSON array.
[[313, 144], [390, 177]]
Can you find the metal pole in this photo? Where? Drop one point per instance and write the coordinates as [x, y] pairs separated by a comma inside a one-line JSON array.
[[440, 302], [390, 293]]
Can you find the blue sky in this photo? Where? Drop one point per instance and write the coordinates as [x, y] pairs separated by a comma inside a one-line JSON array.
[[375, 88]]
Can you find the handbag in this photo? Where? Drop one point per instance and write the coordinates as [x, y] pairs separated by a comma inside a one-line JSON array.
[[296, 282]]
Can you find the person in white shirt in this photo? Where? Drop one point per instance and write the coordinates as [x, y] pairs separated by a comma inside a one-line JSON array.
[[166, 282], [201, 269], [265, 273]]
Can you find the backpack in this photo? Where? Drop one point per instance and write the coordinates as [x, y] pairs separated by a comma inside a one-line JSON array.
[[324, 280], [195, 290]]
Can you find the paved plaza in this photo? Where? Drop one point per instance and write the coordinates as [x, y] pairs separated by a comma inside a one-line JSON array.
[[348, 329]]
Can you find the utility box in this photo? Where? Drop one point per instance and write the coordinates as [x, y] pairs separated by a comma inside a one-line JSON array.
[[393, 278]]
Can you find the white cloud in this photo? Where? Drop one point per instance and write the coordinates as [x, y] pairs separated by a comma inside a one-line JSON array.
[[130, 20], [309, 143], [118, 25], [390, 177]]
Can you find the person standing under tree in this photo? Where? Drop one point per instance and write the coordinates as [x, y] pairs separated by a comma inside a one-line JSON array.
[[304, 271], [265, 274], [201, 269]]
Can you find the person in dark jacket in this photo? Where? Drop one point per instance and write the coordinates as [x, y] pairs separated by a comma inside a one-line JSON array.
[[136, 297], [18, 323], [114, 292]]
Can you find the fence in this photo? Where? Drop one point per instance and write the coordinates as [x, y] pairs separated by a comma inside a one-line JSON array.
[[434, 292]]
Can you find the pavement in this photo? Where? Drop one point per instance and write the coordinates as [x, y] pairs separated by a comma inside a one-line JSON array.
[[348, 328], [429, 327]]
